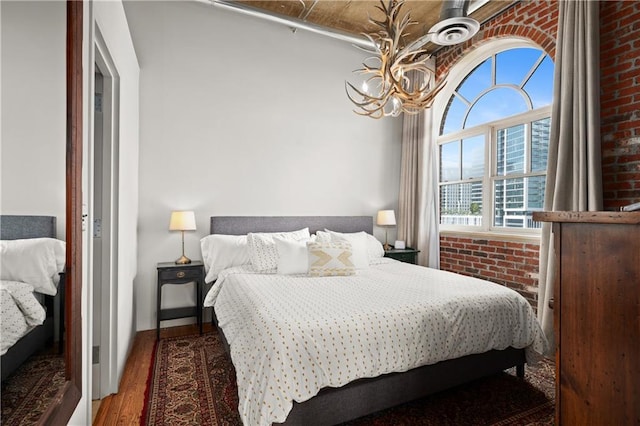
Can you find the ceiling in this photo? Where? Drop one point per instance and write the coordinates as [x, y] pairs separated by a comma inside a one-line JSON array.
[[351, 16]]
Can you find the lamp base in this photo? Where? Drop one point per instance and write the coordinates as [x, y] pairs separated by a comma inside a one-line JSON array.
[[183, 260], [386, 247]]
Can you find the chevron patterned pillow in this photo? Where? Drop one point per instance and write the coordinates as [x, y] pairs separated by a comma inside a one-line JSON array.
[[330, 258]]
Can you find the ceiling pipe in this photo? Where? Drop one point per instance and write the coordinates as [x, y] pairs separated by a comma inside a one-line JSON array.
[[288, 21], [454, 9]]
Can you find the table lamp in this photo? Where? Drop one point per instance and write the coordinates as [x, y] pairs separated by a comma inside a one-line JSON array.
[[182, 221], [386, 219]]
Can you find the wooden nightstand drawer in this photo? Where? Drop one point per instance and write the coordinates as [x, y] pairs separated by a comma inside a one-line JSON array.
[[193, 273]]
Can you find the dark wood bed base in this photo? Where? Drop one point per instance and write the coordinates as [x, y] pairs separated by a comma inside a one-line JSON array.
[[16, 227], [365, 396]]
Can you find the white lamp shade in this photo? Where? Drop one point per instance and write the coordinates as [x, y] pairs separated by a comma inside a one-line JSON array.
[[386, 218], [182, 221]]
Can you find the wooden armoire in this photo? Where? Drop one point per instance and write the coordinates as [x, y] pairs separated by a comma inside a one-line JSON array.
[[596, 316]]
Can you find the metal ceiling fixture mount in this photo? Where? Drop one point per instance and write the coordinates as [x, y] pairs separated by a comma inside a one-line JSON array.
[[454, 26], [398, 78]]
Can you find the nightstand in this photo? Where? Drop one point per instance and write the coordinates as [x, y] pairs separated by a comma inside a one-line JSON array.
[[407, 255], [171, 273]]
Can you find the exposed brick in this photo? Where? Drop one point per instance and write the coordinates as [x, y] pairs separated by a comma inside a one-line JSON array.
[[620, 99]]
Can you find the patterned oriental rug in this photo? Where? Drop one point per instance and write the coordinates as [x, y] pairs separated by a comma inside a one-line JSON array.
[[192, 382], [26, 394]]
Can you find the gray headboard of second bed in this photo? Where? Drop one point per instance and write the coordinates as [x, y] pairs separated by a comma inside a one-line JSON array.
[[240, 225]]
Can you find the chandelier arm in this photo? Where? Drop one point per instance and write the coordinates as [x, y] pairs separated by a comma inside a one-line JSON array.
[[368, 98], [400, 76]]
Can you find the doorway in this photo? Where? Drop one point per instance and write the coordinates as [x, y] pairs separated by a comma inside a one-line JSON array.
[[105, 223]]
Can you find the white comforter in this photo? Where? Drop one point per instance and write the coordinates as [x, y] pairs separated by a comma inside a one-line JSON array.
[[20, 312], [290, 336]]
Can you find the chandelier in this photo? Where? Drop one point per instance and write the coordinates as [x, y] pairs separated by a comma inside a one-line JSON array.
[[397, 77]]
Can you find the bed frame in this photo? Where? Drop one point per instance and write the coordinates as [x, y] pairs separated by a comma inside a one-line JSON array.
[[365, 396], [22, 227]]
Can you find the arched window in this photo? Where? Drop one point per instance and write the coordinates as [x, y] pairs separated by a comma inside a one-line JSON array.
[[493, 141]]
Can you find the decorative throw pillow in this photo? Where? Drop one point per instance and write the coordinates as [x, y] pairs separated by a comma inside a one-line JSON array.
[[358, 242], [262, 247], [223, 251], [329, 259], [292, 256]]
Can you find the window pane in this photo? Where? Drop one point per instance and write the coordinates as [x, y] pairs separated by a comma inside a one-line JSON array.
[[513, 65], [454, 116], [540, 144], [516, 200], [473, 157], [510, 150], [499, 103], [540, 85], [535, 188], [478, 80], [461, 204], [450, 161]]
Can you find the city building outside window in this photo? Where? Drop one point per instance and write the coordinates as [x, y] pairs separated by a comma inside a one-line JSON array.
[[493, 143]]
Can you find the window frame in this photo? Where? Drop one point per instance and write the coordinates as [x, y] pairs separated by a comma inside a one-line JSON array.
[[490, 131], [457, 74]]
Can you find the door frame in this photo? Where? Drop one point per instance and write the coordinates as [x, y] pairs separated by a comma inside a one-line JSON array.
[[103, 61]]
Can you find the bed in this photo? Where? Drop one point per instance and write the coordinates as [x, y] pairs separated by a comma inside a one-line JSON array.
[[340, 393], [16, 228]]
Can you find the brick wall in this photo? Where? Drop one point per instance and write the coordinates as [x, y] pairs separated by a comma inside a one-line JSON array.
[[532, 20], [620, 101], [512, 264]]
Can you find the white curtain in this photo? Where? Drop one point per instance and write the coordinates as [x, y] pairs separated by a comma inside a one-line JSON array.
[[574, 173], [418, 197]]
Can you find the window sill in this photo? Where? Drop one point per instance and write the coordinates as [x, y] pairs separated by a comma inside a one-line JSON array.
[[487, 235]]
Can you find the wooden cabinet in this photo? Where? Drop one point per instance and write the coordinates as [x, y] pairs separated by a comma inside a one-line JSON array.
[[597, 317]]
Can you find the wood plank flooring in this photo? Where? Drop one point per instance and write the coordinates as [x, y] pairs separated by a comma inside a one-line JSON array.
[[125, 407]]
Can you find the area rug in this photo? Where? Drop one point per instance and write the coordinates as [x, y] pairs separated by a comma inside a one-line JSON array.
[[192, 382], [26, 394]]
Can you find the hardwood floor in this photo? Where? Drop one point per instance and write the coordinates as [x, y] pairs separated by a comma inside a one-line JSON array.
[[125, 407]]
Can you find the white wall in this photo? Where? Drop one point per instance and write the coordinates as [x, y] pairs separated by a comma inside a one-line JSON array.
[[33, 142], [243, 117]]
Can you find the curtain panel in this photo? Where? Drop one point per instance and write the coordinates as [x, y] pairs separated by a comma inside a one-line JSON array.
[[418, 194], [574, 173]]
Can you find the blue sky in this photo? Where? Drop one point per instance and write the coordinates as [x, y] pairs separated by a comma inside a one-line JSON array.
[[519, 73]]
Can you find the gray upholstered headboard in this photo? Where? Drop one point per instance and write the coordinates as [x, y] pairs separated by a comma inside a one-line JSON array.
[[240, 225], [17, 227]]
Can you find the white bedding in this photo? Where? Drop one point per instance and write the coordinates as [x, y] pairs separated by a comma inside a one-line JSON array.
[[292, 335], [20, 312]]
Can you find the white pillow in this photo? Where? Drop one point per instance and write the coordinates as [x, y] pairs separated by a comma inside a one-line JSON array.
[[262, 247], [330, 259], [358, 242], [323, 236], [375, 249], [292, 256], [221, 251], [35, 261]]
